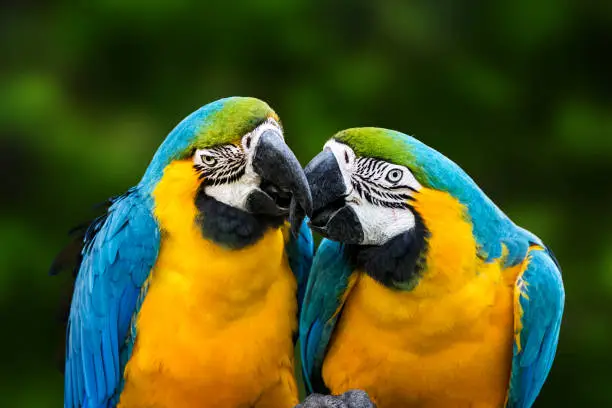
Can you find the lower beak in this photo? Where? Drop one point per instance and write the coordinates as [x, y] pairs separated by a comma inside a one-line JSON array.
[[331, 216], [284, 187]]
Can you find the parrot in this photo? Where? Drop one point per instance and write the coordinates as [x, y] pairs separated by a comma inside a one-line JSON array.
[[187, 288], [422, 293]]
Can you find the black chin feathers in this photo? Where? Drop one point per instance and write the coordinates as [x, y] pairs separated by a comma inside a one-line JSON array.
[[228, 226], [399, 262]]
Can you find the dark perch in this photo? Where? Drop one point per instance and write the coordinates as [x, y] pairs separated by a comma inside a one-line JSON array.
[[350, 399]]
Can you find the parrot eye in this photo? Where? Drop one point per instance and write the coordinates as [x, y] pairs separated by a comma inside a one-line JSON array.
[[208, 160], [394, 175]]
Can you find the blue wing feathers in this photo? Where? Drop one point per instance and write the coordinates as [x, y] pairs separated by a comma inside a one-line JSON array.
[[100, 380], [542, 302], [69, 390], [109, 359], [127, 299], [308, 351], [88, 371], [327, 283], [118, 254], [300, 250]]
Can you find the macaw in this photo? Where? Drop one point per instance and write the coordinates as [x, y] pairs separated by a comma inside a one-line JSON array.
[[186, 288], [423, 292]]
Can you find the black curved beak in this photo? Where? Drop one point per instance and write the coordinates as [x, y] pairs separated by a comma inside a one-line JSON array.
[[331, 216], [284, 188]]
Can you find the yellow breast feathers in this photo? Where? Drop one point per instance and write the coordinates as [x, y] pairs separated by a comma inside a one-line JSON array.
[[215, 327], [445, 343]]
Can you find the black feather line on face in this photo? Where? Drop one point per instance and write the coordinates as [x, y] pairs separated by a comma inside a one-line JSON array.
[[399, 262], [369, 168], [230, 166], [377, 196], [365, 182]]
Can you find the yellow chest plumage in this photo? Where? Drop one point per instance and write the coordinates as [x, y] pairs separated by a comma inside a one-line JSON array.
[[215, 329], [445, 343]]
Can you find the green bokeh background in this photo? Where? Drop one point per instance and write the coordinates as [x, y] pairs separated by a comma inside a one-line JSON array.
[[517, 92]]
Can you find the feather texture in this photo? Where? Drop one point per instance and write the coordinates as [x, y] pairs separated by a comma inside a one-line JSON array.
[[541, 297], [300, 250], [327, 287], [119, 252]]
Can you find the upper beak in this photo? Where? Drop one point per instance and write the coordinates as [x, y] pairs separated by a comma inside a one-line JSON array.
[[331, 216], [282, 180]]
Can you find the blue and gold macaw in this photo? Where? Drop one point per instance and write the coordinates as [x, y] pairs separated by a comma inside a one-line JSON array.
[[425, 293], [186, 289]]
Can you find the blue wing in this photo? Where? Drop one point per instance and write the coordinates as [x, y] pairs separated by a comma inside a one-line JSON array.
[[541, 297], [327, 284], [300, 250], [118, 254]]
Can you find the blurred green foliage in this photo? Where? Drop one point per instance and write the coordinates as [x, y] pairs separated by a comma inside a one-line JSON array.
[[517, 92]]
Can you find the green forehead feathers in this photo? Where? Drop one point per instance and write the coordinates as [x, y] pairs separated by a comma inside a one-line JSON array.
[[229, 119], [384, 144]]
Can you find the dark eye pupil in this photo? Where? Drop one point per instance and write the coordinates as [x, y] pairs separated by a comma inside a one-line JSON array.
[[346, 158], [248, 143], [208, 159], [394, 175]]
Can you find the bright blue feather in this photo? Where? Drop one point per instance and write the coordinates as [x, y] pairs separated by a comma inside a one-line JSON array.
[[542, 311], [300, 251], [110, 279], [327, 283]]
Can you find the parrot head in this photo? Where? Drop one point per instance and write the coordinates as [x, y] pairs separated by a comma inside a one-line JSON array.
[[376, 188], [233, 153], [362, 186]]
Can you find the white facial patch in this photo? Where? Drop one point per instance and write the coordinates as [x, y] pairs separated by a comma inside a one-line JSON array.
[[236, 193], [228, 169], [380, 224], [378, 191]]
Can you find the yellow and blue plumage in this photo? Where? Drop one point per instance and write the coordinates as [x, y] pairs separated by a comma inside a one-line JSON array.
[[426, 294], [186, 287]]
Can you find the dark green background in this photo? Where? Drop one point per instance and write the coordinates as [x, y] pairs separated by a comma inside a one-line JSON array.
[[517, 92]]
